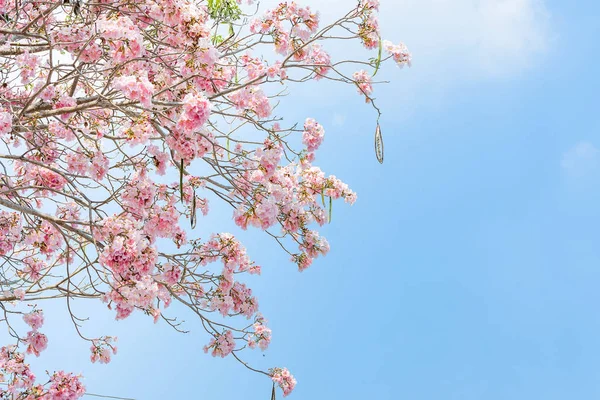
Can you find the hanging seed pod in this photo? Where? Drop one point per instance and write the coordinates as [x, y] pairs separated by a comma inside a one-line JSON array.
[[193, 219], [181, 180], [379, 144]]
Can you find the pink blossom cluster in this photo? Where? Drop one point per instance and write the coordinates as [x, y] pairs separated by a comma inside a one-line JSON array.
[[186, 20], [171, 274], [399, 53], [369, 4], [256, 68], [196, 111], [102, 348], [226, 247], [139, 131], [65, 386], [28, 64], [136, 88], [221, 345], [20, 381], [34, 319], [188, 145], [65, 101], [285, 380], [262, 215], [364, 83], [5, 122], [261, 336], [71, 37], [36, 342], [313, 134], [314, 245], [123, 36], [268, 156], [368, 29], [243, 301], [320, 59], [292, 196], [127, 253], [141, 294], [139, 195], [230, 296], [160, 159], [48, 181], [10, 231], [99, 166], [253, 99], [46, 238], [287, 24], [15, 373], [95, 165], [163, 222], [33, 268], [315, 182]]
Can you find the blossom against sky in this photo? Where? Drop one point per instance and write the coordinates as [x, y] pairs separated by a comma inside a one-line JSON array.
[[468, 266]]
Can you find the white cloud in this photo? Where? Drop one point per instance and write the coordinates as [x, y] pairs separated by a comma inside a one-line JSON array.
[[512, 33], [582, 159], [338, 120]]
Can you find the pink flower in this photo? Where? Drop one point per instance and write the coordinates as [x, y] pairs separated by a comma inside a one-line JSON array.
[[19, 294], [99, 166], [5, 122], [285, 380], [159, 158], [34, 319], [33, 268], [136, 88], [370, 4], [313, 134], [321, 59], [124, 38], [399, 53], [261, 335], [102, 348], [10, 231], [252, 99], [221, 345], [363, 81], [196, 110], [65, 386], [65, 101], [28, 64], [37, 342]]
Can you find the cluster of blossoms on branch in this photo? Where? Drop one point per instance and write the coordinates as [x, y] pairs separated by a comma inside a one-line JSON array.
[[120, 123]]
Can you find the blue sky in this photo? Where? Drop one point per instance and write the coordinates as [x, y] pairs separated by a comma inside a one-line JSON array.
[[469, 266]]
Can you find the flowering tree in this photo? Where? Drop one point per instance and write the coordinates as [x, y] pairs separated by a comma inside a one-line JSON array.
[[119, 121]]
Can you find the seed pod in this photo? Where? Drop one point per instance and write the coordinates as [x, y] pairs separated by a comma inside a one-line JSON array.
[[378, 144]]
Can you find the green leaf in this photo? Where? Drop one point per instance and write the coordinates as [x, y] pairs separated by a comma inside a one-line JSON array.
[[378, 61], [330, 208]]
